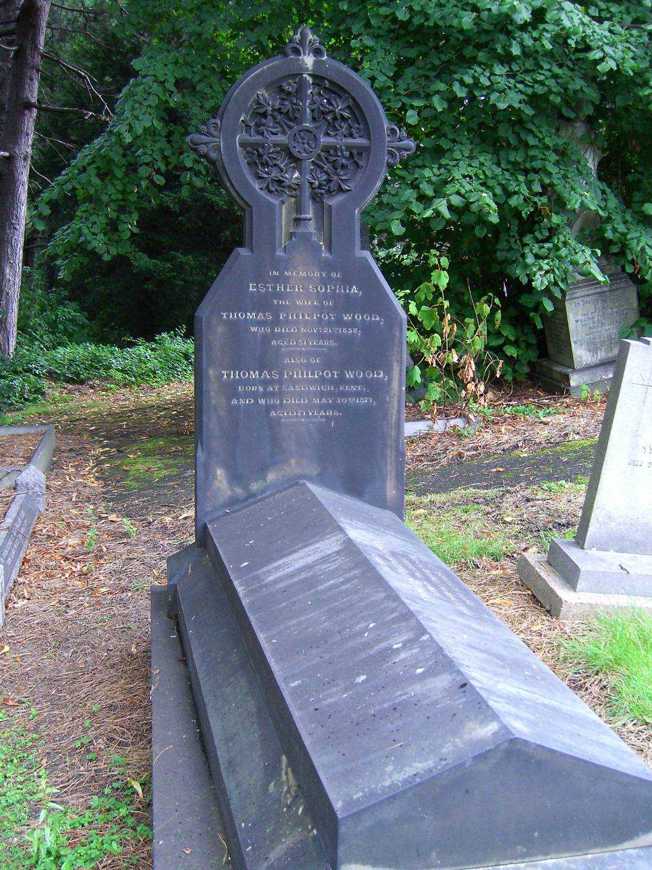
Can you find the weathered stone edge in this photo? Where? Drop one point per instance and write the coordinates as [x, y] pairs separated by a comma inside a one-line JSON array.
[[562, 379], [564, 602], [28, 503], [623, 859]]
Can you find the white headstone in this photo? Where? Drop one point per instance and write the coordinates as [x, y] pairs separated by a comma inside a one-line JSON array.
[[617, 513], [609, 564]]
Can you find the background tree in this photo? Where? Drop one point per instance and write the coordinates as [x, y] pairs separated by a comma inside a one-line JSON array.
[[484, 209]]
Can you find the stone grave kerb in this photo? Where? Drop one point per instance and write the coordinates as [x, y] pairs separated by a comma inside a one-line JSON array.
[[302, 144]]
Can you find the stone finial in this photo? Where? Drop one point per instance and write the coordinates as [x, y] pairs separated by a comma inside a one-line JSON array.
[[207, 142], [399, 144], [304, 43]]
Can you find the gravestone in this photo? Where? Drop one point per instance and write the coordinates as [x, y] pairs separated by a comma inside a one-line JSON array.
[[583, 331], [609, 564], [300, 342], [358, 705]]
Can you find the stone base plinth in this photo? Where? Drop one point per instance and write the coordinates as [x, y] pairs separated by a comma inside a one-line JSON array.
[[565, 602], [561, 379], [601, 571]]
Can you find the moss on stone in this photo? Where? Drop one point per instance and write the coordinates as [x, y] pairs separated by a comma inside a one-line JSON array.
[[152, 460]]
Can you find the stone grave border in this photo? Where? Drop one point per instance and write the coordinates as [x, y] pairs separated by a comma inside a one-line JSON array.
[[26, 506], [188, 828]]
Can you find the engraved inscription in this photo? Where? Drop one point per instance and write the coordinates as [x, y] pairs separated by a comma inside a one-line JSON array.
[[641, 459], [310, 323], [585, 329]]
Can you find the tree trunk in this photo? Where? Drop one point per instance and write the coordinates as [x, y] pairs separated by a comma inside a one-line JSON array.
[[17, 135], [8, 16]]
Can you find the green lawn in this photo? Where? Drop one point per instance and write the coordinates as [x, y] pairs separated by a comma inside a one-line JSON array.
[[619, 647]]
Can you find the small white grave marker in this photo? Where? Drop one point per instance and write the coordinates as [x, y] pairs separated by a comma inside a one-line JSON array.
[[609, 564]]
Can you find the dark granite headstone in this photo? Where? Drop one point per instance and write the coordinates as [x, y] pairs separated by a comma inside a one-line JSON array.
[[300, 342], [358, 706]]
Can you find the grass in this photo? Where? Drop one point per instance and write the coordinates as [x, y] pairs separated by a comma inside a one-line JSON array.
[[37, 832], [532, 411], [36, 409], [23, 784], [572, 446], [526, 410], [456, 534], [558, 486], [619, 647], [548, 536]]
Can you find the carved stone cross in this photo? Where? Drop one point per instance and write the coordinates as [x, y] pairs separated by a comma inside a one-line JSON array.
[[303, 136]]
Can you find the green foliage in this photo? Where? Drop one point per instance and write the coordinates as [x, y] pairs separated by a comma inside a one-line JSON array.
[[18, 388], [22, 784], [533, 411], [103, 830], [620, 648], [47, 319], [448, 353], [496, 179], [169, 357], [488, 89], [547, 536], [62, 838]]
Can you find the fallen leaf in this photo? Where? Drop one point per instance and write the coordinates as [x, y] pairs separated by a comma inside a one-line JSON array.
[[136, 787]]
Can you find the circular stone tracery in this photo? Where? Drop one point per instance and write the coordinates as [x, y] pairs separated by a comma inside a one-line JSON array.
[[304, 132], [303, 142]]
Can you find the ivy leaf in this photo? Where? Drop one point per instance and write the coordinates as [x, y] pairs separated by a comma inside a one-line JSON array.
[[548, 304]]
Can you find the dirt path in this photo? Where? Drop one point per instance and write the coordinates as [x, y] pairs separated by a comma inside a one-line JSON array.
[[566, 462], [75, 663]]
